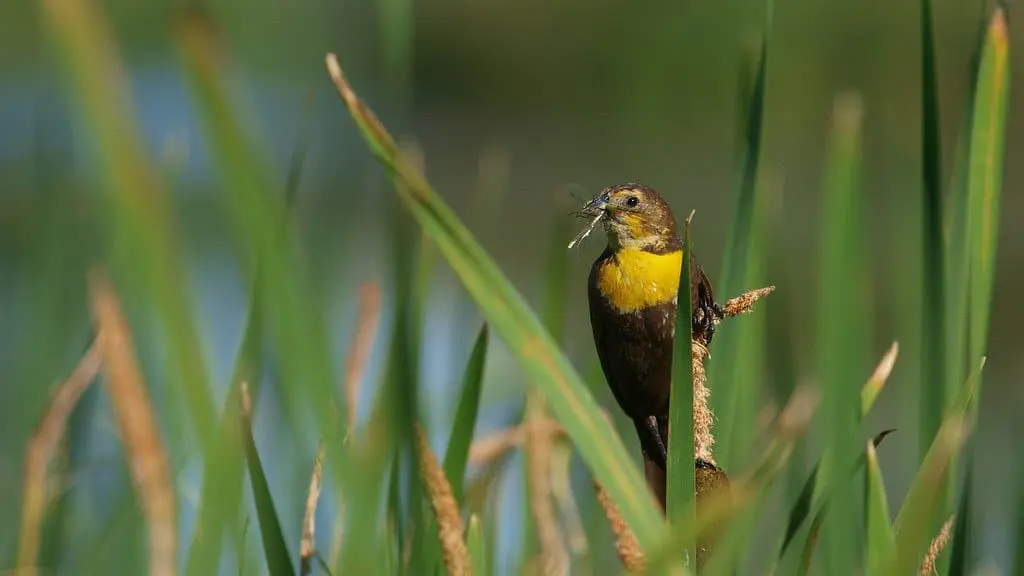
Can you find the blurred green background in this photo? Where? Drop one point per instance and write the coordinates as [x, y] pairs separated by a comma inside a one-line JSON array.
[[518, 106]]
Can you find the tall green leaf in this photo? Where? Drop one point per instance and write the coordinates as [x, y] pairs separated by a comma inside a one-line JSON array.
[[957, 252], [275, 548], [507, 312], [295, 327], [746, 494], [681, 482], [915, 522], [737, 422], [880, 540], [842, 331], [988, 129], [812, 493], [140, 200], [477, 546], [983, 193], [932, 393], [730, 368], [457, 454], [222, 476]]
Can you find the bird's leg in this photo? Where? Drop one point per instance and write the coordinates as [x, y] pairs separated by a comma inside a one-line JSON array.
[[650, 426]]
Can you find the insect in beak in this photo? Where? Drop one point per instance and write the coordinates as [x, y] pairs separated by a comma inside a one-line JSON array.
[[595, 210]]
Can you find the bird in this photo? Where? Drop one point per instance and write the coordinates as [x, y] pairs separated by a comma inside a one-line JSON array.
[[632, 291]]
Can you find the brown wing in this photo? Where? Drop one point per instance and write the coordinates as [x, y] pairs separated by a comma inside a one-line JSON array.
[[703, 308]]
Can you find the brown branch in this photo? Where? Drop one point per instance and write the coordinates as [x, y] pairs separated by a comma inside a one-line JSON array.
[[40, 450], [137, 425], [493, 446]]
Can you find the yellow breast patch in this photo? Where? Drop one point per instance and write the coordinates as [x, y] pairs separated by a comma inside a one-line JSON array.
[[634, 279]]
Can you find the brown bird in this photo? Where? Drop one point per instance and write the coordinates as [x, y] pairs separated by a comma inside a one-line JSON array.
[[632, 294]]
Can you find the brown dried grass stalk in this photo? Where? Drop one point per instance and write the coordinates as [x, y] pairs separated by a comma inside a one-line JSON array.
[[553, 559], [362, 344], [940, 541], [137, 425], [446, 510], [307, 547], [40, 450], [486, 450], [625, 543], [565, 497], [367, 322]]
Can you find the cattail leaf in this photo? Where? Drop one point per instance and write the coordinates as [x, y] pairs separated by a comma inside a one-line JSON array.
[[508, 314], [880, 540]]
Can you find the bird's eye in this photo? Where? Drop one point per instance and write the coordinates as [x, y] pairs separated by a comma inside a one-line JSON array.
[[632, 201]]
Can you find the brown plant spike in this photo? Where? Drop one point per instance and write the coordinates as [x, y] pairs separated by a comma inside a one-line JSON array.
[[40, 449], [362, 344], [629, 550], [553, 559], [745, 302], [446, 511], [703, 418], [137, 425], [940, 541], [307, 547]]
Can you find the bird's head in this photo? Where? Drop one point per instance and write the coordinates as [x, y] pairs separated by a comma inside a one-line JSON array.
[[634, 216]]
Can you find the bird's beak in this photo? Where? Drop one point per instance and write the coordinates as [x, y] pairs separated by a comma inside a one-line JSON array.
[[595, 210], [596, 206]]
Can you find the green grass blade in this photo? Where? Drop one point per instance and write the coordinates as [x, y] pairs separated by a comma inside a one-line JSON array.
[[477, 546], [813, 498], [138, 197], [222, 477], [957, 253], [933, 392], [843, 332], [394, 524], [375, 455], [984, 191], [681, 482], [812, 493], [986, 174], [403, 379], [958, 556], [729, 368], [258, 213], [915, 524], [880, 540], [546, 366], [275, 548], [746, 494], [457, 454], [736, 429]]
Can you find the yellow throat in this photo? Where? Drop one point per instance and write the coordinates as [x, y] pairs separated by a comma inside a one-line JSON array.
[[634, 279]]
